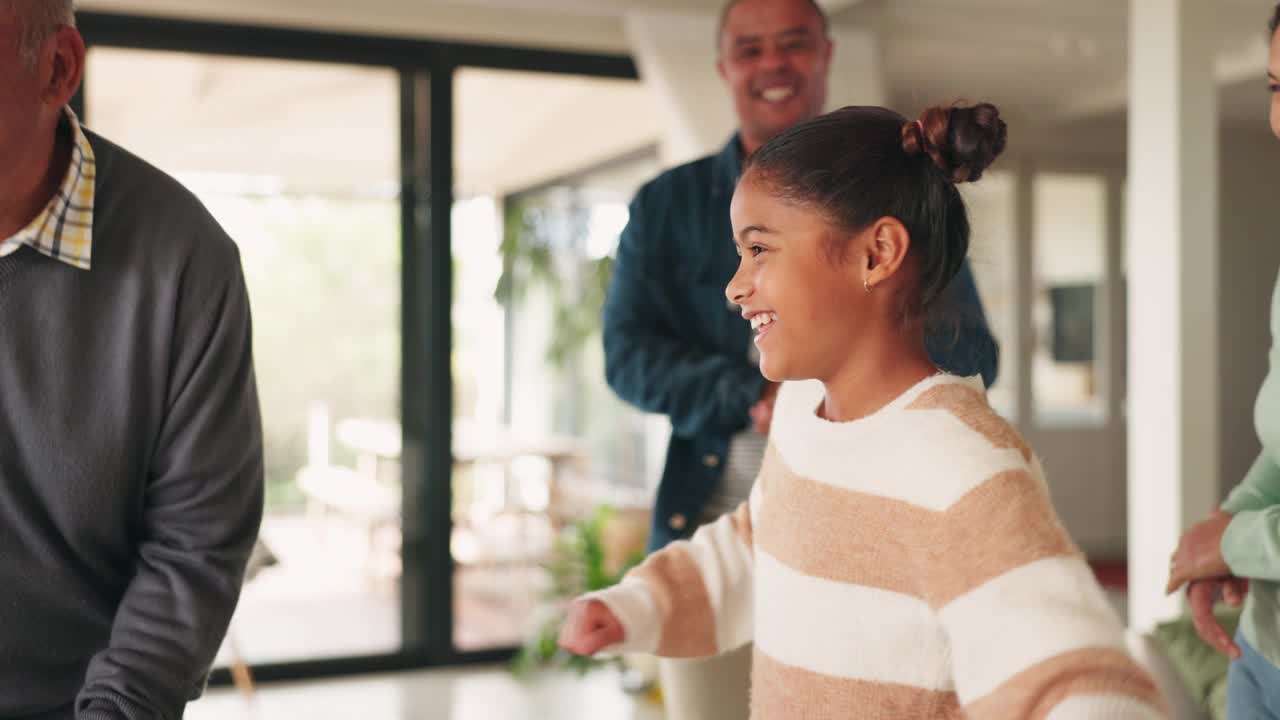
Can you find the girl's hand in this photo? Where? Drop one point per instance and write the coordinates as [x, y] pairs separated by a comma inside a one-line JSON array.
[[1199, 553], [590, 627]]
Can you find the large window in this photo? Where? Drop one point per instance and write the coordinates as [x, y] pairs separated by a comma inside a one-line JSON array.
[[539, 439], [430, 371], [299, 163]]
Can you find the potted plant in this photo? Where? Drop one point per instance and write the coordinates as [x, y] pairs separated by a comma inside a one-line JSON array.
[[589, 555]]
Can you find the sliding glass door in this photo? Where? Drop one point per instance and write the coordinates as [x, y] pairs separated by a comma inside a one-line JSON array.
[[298, 161], [410, 404], [540, 441]]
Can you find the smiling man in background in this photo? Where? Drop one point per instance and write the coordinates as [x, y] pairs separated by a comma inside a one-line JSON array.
[[673, 347]]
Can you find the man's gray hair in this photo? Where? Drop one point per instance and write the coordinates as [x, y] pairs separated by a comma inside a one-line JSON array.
[[37, 20], [729, 5]]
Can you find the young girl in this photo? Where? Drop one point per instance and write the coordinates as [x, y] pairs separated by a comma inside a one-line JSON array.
[[898, 556]]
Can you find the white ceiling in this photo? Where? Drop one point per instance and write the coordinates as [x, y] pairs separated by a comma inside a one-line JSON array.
[[1050, 64], [1042, 57], [279, 120], [516, 130], [1049, 60]]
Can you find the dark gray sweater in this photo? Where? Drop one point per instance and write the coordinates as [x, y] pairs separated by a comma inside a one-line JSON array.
[[130, 456]]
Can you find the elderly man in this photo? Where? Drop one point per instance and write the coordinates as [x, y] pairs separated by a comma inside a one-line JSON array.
[[673, 347], [130, 440]]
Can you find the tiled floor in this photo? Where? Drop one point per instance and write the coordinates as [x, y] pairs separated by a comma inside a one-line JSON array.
[[468, 694]]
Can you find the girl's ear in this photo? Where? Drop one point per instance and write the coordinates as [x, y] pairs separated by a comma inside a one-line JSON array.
[[887, 245]]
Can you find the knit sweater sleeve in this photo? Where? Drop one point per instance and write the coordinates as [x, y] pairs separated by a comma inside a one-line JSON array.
[[1030, 631], [694, 597], [202, 507]]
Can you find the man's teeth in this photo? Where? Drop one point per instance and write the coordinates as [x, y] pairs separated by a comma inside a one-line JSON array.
[[777, 94], [759, 321]]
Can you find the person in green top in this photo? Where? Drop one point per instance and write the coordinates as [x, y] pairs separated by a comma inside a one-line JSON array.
[[1237, 550]]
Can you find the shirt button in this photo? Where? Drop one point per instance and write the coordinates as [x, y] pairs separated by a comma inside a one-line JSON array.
[[711, 460], [677, 522]]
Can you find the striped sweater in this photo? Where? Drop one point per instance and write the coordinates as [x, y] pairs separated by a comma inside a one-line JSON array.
[[905, 565]]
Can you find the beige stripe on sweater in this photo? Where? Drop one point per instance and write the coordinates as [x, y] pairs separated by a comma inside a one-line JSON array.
[[786, 692], [980, 525], [969, 405], [741, 519], [875, 602], [853, 537], [684, 610], [1034, 692]]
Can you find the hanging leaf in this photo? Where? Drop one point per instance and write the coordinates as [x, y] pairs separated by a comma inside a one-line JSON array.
[[576, 287]]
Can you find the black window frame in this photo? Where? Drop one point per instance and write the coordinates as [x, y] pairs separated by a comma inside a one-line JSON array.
[[426, 70]]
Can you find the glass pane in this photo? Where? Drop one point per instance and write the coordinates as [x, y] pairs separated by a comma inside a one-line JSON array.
[[991, 255], [299, 163], [1069, 232], [540, 441]]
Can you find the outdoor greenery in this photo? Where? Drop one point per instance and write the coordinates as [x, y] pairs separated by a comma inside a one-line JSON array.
[[541, 247], [577, 566], [324, 284], [547, 271]]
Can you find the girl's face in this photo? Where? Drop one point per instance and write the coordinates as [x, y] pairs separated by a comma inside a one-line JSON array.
[[805, 305], [1273, 77]]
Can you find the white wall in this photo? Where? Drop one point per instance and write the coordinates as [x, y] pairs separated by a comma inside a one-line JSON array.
[[675, 55], [1088, 481], [1086, 477], [1082, 448]]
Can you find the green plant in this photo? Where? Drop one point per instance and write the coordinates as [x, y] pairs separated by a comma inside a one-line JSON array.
[[534, 238], [577, 566]]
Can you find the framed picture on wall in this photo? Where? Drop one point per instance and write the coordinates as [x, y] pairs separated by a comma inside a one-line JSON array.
[[1073, 322]]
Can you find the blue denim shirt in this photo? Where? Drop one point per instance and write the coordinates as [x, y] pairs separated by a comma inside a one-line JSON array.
[[673, 344]]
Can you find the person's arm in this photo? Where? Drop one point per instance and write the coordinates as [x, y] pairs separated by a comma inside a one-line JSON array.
[[1251, 544], [202, 510], [965, 347], [652, 368], [691, 599], [1259, 489], [1241, 539], [1031, 633]]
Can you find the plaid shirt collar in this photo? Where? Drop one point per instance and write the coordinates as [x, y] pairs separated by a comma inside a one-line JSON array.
[[64, 229]]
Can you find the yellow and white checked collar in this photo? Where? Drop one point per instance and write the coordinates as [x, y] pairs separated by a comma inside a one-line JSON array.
[[64, 229]]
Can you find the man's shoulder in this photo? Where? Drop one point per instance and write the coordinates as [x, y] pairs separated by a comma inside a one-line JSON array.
[[140, 208], [129, 174], [699, 169], [693, 177]]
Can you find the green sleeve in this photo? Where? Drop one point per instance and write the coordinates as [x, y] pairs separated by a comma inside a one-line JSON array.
[[1251, 545], [1259, 489]]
